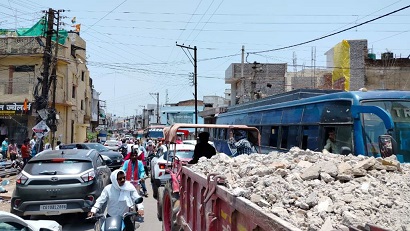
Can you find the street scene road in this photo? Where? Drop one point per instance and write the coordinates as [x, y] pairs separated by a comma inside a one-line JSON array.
[[76, 222]]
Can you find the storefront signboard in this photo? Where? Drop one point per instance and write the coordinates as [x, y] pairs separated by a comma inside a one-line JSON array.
[[11, 109]]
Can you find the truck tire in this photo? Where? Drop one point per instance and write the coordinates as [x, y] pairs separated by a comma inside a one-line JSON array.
[[159, 203], [155, 186], [170, 209]]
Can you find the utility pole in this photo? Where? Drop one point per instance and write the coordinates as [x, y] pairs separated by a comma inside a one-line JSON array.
[[143, 116], [194, 62], [157, 114], [53, 113], [47, 80]]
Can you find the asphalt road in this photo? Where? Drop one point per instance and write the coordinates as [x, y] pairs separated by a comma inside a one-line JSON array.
[[73, 222]]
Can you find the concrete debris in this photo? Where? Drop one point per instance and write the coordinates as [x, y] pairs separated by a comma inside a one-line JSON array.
[[319, 191]]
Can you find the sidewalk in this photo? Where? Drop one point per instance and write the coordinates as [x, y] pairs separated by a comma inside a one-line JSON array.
[[10, 187]]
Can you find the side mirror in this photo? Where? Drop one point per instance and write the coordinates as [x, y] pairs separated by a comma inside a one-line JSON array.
[[386, 145], [345, 150], [139, 200]]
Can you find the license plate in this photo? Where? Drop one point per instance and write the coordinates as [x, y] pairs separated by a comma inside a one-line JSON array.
[[53, 207], [118, 160]]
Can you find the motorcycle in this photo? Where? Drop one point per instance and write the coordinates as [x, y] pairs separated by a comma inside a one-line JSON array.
[[116, 223], [18, 163]]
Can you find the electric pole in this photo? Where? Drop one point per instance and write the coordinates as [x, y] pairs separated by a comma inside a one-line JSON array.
[[194, 62], [157, 114], [53, 113], [143, 116], [47, 81]]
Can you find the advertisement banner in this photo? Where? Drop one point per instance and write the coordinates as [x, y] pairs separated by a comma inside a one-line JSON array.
[[341, 69], [173, 118]]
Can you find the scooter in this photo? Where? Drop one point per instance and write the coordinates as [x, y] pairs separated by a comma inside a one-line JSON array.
[[18, 163], [116, 223]]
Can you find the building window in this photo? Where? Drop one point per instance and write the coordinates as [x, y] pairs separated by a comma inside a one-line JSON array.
[[74, 90], [82, 75], [82, 104], [24, 68]]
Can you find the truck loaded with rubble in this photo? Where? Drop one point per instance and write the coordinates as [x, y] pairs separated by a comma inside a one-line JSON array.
[[297, 190]]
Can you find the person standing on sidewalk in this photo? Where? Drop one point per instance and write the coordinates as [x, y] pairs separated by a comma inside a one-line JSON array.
[[12, 150], [25, 151], [4, 147]]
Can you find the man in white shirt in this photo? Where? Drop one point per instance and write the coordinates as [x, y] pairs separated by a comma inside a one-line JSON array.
[[120, 195]]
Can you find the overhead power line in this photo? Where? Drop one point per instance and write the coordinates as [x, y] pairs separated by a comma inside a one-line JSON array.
[[329, 35]]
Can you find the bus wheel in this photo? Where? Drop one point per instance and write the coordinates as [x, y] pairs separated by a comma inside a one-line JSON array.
[[170, 208]]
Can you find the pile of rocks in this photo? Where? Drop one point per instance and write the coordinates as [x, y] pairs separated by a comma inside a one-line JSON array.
[[316, 191]]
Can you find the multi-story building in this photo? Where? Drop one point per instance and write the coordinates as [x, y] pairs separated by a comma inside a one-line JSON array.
[[252, 81], [181, 112], [213, 105], [21, 68]]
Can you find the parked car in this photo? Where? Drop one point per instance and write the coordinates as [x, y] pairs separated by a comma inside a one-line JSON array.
[[10, 221], [116, 158], [57, 182], [112, 145], [159, 164]]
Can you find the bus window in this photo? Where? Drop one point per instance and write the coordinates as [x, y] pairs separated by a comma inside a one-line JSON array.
[[336, 112], [272, 117], [312, 113], [222, 133], [273, 137], [284, 137], [293, 137], [310, 137], [265, 135], [400, 112], [343, 138], [292, 115]]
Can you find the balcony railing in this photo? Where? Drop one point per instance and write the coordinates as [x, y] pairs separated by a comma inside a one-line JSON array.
[[28, 46]]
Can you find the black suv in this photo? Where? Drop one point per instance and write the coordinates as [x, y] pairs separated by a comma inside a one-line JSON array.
[[57, 182], [115, 159]]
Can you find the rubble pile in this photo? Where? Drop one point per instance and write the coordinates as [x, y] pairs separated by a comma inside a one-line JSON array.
[[316, 191]]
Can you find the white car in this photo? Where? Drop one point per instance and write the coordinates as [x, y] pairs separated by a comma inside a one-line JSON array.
[[9, 221], [112, 145], [159, 164], [193, 142]]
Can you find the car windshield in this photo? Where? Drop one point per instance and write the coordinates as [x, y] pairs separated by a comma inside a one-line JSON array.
[[182, 154], [57, 167], [111, 142], [98, 147]]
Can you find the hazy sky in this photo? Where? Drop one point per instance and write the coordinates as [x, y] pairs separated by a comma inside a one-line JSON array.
[[131, 48]]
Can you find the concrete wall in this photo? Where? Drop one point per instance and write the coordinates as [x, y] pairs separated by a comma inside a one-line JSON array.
[[256, 78], [388, 74]]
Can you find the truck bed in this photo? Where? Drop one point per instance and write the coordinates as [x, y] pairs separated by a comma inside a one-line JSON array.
[[205, 204]]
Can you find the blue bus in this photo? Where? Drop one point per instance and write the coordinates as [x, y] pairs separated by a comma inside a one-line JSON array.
[[362, 120]]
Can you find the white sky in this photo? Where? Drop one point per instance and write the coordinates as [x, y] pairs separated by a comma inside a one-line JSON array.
[[131, 43]]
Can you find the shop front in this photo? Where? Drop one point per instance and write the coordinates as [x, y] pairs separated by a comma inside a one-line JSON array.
[[18, 120]]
